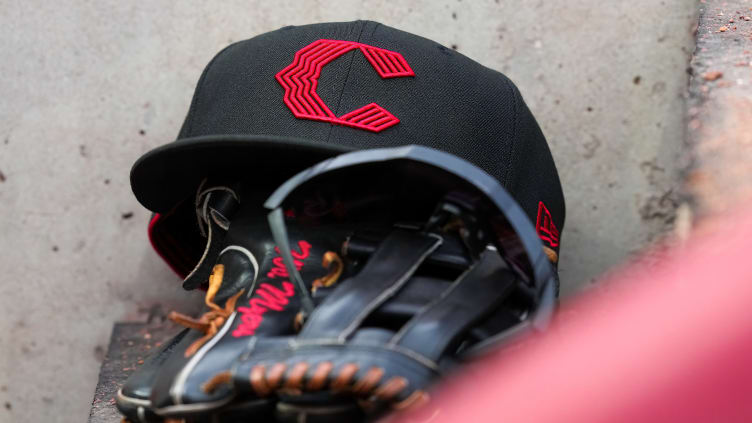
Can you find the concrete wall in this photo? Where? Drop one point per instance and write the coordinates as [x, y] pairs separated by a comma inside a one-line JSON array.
[[720, 109], [86, 87]]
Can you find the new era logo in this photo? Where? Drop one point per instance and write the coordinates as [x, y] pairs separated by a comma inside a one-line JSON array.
[[545, 226]]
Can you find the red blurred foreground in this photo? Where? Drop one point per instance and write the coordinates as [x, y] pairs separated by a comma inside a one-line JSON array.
[[671, 342]]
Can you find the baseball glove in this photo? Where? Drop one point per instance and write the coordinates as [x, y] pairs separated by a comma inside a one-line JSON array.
[[357, 285], [248, 294], [450, 266]]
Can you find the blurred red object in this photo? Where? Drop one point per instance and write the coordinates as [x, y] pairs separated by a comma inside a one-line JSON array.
[[668, 342]]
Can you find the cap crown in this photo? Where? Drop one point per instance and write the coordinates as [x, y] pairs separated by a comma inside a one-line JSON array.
[[424, 94]]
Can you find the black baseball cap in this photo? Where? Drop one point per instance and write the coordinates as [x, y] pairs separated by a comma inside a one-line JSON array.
[[268, 107]]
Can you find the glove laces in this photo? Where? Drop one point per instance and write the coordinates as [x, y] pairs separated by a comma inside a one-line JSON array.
[[210, 322]]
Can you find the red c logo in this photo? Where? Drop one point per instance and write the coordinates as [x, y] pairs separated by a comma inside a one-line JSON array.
[[301, 78]]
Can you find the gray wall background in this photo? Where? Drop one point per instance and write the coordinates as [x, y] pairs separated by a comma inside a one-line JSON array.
[[86, 87]]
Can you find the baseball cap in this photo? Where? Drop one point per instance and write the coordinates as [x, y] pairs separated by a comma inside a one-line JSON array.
[[270, 106]]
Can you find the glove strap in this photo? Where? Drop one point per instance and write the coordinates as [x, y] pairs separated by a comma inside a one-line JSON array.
[[215, 207], [396, 259], [472, 296]]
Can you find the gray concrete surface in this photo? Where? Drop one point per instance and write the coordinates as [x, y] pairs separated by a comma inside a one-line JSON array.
[[87, 87], [720, 108]]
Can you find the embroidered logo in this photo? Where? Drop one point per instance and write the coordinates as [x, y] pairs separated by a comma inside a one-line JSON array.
[[269, 297], [279, 269], [545, 226], [300, 80]]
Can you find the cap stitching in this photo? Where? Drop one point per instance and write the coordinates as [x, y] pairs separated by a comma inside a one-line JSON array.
[[347, 78], [510, 157]]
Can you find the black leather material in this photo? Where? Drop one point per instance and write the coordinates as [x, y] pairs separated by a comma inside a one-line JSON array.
[[269, 306], [138, 387], [239, 275], [139, 384], [408, 312], [329, 412], [391, 265], [215, 209], [256, 410], [413, 336], [246, 230], [411, 298], [473, 295], [160, 392], [451, 254], [394, 362]]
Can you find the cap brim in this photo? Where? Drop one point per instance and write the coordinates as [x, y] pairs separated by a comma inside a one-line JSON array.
[[166, 175]]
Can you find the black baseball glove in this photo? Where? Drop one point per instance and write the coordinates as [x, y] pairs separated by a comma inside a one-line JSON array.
[[416, 261]]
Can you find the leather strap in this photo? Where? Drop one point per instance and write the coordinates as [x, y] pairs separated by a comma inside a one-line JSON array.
[[451, 254], [216, 208], [388, 269], [473, 295]]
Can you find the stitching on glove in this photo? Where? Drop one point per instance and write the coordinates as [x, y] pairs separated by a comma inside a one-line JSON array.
[[391, 388], [369, 380], [275, 375], [346, 373], [318, 380], [223, 378], [295, 378], [415, 400]]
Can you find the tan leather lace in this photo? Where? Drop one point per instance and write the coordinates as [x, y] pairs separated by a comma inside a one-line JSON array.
[[210, 322], [333, 262], [551, 254]]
